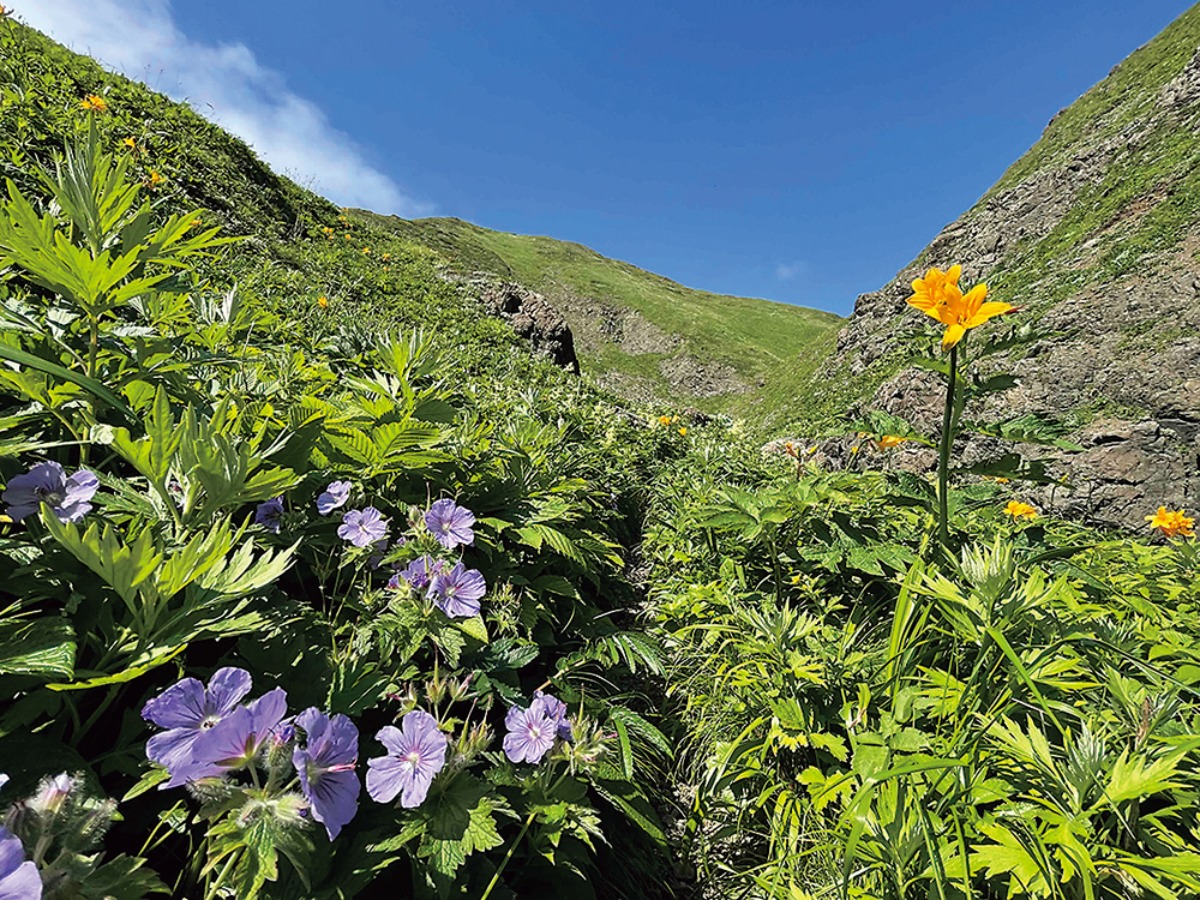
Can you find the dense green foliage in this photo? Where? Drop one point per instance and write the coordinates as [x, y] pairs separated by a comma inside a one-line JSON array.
[[133, 354], [781, 682]]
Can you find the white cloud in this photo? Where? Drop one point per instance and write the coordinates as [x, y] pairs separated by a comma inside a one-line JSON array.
[[788, 271], [226, 84]]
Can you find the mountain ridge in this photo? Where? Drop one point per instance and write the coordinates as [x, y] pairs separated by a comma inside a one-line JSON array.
[[639, 333], [1095, 233]]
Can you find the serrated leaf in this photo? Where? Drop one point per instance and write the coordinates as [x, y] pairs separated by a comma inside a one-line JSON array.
[[38, 647], [482, 833]]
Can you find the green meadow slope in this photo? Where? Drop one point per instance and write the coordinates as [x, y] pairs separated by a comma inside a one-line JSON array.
[[1095, 234], [763, 679], [638, 333]]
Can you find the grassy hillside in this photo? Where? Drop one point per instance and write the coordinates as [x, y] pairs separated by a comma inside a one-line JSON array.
[[1103, 213], [315, 582], [636, 331]]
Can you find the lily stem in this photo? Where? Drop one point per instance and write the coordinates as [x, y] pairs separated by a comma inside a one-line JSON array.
[[944, 455]]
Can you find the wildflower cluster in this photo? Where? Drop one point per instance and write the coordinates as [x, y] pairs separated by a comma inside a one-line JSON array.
[[533, 732], [1019, 510], [94, 103], [453, 588], [1172, 523], [210, 734]]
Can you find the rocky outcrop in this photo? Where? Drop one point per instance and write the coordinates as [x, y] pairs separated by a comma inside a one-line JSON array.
[[1108, 277], [531, 316]]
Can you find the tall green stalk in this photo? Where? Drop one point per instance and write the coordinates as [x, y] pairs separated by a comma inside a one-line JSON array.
[[943, 524]]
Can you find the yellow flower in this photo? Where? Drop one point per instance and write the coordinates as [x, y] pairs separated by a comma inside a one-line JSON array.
[[664, 420], [930, 292], [683, 431], [938, 295], [1172, 522], [155, 179], [328, 231], [366, 251], [94, 103], [323, 302], [346, 235], [130, 143], [1019, 510], [386, 257], [888, 441], [999, 479], [790, 449]]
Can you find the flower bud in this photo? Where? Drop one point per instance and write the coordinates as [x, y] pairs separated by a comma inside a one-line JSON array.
[[52, 794]]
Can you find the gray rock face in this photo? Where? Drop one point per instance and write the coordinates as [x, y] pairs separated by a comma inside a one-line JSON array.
[[1119, 352], [532, 317]]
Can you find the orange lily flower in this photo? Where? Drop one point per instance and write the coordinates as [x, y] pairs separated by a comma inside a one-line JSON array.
[[1172, 522], [939, 296], [1019, 510]]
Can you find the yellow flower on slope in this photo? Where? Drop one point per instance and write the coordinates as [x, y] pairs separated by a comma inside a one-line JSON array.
[[888, 441], [929, 293], [1172, 522], [938, 295], [1019, 510], [94, 103]]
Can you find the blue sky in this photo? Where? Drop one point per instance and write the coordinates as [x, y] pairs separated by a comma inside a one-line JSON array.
[[797, 151]]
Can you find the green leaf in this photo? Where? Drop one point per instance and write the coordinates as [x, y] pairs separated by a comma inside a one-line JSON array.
[[95, 388], [43, 648], [129, 673], [482, 833], [473, 627]]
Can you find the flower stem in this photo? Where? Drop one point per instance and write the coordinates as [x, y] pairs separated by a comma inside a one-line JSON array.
[[507, 856], [513, 846], [944, 455]]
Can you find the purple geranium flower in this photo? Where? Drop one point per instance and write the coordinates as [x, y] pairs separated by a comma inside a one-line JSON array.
[[269, 514], [188, 709], [556, 712], [47, 482], [420, 572], [234, 742], [450, 523], [457, 593], [19, 878], [335, 496], [531, 733], [363, 528], [326, 768], [416, 753]]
